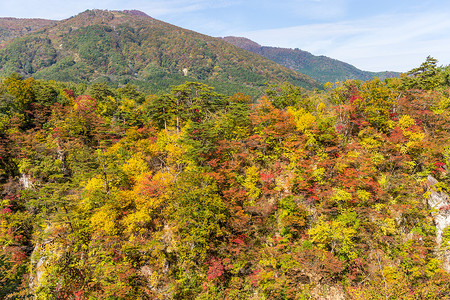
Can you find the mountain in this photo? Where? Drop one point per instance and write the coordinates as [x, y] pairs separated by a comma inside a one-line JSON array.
[[321, 68], [11, 28], [119, 47]]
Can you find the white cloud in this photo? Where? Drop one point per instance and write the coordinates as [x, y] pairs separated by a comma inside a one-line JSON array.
[[50, 9], [174, 7], [317, 9], [389, 42], [57, 10]]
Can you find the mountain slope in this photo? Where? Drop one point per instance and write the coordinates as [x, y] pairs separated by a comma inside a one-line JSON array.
[[129, 46], [11, 28], [321, 68]]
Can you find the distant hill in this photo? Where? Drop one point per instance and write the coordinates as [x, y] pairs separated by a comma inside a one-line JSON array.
[[321, 68], [119, 47]]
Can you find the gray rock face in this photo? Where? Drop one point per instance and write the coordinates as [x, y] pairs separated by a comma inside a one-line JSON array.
[[25, 181], [440, 202]]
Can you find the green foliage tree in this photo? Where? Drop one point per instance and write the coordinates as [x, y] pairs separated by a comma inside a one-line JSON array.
[[425, 77], [114, 194]]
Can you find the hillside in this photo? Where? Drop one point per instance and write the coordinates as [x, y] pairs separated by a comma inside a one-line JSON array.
[[11, 28], [129, 46], [335, 194], [321, 68]]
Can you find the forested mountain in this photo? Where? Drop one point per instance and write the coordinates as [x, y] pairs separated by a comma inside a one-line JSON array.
[[321, 68], [112, 193], [118, 47], [11, 28]]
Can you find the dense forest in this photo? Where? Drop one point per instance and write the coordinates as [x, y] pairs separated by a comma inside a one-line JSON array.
[[113, 193]]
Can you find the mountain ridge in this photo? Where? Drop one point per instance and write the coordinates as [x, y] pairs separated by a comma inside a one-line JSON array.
[[130, 46], [322, 68], [11, 28]]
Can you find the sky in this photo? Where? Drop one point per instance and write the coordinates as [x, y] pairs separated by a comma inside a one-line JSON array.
[[372, 35]]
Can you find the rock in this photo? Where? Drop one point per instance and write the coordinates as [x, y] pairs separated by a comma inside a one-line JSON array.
[[440, 203], [25, 181]]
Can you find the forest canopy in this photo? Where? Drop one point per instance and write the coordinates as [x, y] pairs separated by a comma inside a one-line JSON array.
[[112, 193]]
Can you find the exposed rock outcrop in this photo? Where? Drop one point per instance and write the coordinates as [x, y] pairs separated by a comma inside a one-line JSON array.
[[439, 201]]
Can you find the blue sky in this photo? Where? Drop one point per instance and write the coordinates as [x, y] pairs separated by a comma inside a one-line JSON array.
[[379, 35]]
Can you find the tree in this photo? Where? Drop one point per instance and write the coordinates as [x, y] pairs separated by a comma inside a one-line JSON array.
[[287, 94], [425, 77], [190, 101]]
